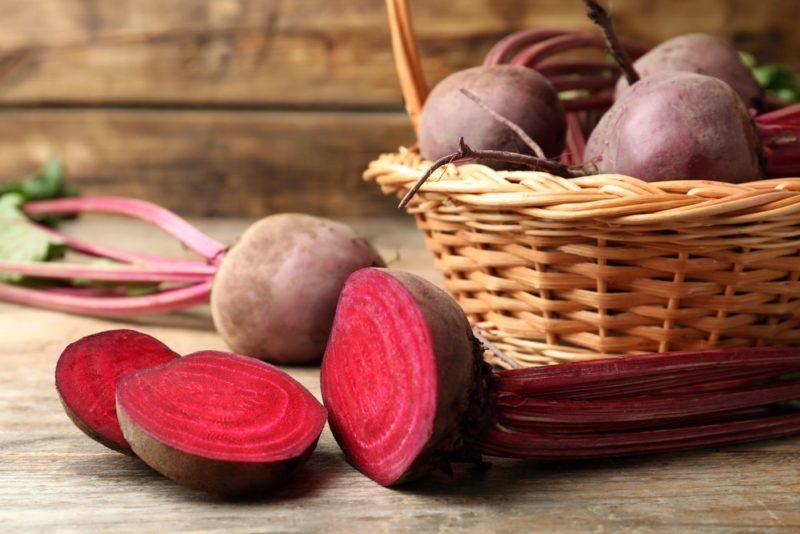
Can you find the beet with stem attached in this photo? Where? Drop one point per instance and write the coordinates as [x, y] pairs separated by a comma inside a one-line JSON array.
[[87, 374], [407, 391], [273, 294], [219, 422], [521, 95], [701, 54]]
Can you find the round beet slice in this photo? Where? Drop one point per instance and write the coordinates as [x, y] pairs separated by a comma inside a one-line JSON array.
[[87, 374], [401, 376], [219, 422]]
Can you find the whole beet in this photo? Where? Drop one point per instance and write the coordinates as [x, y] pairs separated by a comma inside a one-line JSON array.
[[701, 54], [519, 94], [677, 126], [275, 293]]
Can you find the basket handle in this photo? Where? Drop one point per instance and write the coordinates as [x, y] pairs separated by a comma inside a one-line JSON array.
[[406, 60]]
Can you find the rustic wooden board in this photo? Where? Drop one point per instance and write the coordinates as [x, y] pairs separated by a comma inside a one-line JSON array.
[[248, 164], [53, 478], [307, 52]]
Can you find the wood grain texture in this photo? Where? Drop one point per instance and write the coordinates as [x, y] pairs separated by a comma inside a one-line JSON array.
[[211, 162], [54, 478], [308, 52]]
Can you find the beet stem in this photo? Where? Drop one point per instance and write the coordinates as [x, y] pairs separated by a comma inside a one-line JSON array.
[[190, 236], [533, 445], [619, 426], [600, 16], [549, 378], [535, 54], [658, 384], [646, 409], [467, 153], [576, 142], [111, 273], [779, 132], [537, 150], [511, 43], [159, 302], [122, 255]]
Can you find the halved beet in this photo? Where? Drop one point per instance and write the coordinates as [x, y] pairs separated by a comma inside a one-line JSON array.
[[219, 422], [401, 375], [87, 374]]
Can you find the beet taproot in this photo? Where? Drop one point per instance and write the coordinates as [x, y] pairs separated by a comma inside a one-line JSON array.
[[87, 373], [677, 126], [276, 290], [701, 54], [519, 94], [399, 375], [219, 422]]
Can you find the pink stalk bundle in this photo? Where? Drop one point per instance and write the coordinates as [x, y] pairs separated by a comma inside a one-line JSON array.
[[644, 404], [779, 131], [191, 280]]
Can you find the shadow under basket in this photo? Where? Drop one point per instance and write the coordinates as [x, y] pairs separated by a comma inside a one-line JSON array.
[[553, 270]]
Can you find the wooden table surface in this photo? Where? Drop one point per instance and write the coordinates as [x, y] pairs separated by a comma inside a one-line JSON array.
[[52, 477]]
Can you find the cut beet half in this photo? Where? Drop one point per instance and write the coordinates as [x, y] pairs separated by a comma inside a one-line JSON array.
[[87, 374], [399, 375], [219, 422]]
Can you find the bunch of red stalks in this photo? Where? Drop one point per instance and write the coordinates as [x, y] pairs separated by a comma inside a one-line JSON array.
[[178, 283], [645, 404]]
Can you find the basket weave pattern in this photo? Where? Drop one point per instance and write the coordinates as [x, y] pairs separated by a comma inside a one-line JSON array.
[[556, 270]]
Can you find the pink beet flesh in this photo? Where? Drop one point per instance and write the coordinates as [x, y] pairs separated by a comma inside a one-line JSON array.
[[87, 374], [396, 374], [225, 407]]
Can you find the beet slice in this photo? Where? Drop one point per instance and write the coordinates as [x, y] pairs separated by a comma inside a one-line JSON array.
[[401, 376], [219, 422], [87, 374]]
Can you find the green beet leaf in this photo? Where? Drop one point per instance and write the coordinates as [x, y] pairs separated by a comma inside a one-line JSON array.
[[20, 240]]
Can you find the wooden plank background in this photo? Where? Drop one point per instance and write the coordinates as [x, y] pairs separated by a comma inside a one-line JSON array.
[[252, 106]]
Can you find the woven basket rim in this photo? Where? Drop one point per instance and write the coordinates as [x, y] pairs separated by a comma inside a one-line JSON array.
[[614, 198]]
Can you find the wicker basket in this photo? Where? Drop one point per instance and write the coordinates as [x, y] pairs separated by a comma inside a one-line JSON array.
[[555, 270]]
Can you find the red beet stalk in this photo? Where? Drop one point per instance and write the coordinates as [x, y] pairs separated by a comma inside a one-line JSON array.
[[501, 441], [180, 283], [780, 138]]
